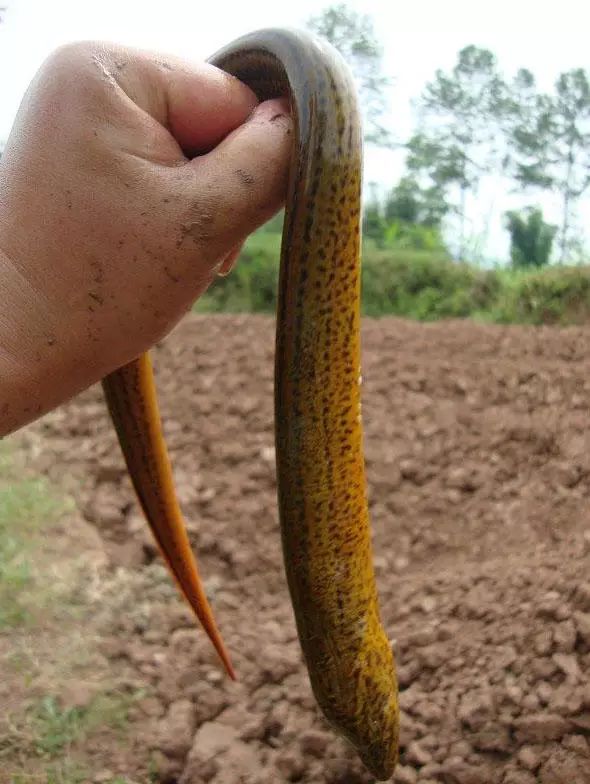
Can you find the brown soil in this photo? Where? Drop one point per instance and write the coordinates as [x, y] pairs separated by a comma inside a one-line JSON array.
[[478, 457]]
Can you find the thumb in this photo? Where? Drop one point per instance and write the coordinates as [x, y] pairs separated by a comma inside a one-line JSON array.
[[237, 186]]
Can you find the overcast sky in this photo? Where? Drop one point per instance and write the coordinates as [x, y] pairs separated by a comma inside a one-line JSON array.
[[417, 37]]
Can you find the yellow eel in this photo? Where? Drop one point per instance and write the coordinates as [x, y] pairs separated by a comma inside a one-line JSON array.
[[322, 496]]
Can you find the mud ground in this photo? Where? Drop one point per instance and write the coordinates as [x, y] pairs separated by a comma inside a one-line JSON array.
[[478, 460]]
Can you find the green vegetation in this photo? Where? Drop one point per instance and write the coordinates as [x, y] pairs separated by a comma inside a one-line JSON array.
[[423, 284], [25, 504], [353, 35], [410, 217], [54, 729], [50, 734], [531, 239], [474, 121], [549, 139], [555, 295], [43, 739]]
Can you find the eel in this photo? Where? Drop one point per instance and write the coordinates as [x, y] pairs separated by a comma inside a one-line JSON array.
[[322, 495]]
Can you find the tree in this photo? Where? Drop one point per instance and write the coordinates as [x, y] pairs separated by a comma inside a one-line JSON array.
[[409, 203], [353, 36], [531, 239], [551, 139], [459, 140], [374, 224], [408, 218]]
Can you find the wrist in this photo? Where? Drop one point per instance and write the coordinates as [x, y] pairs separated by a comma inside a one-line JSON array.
[[21, 361]]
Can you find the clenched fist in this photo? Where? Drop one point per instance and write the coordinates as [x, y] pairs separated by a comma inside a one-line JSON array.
[[129, 180]]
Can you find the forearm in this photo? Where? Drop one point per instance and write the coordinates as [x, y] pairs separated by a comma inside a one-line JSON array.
[[28, 377]]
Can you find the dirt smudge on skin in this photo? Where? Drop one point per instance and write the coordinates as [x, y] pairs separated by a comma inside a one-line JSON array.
[[197, 231], [245, 177]]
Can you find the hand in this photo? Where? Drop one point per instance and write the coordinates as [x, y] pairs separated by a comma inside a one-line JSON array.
[[110, 227]]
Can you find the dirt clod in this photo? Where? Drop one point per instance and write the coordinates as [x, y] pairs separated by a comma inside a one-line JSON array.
[[478, 463]]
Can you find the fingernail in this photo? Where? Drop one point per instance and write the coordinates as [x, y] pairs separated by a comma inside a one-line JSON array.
[[229, 262], [274, 109]]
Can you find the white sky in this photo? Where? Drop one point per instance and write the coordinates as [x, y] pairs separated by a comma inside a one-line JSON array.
[[418, 37]]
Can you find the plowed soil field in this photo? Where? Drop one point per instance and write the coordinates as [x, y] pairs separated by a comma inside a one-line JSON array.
[[478, 459]]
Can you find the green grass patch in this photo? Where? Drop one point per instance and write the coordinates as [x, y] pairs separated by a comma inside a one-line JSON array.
[[423, 286], [43, 640], [252, 285], [65, 772], [26, 507], [52, 734], [420, 284], [55, 729], [554, 295]]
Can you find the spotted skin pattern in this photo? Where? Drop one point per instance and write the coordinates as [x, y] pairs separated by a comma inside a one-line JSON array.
[[322, 496]]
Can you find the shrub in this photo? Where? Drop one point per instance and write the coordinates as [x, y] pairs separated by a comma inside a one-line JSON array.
[[558, 295], [531, 239], [419, 284]]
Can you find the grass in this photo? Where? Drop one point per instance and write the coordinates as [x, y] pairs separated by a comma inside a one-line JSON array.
[[420, 284], [26, 506], [65, 773], [52, 735], [252, 285], [42, 740], [55, 728], [557, 295]]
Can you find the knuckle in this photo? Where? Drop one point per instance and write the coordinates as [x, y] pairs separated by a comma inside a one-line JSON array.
[[71, 56], [78, 68]]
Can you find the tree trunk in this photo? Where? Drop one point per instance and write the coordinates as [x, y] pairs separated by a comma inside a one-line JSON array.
[[565, 224], [462, 223]]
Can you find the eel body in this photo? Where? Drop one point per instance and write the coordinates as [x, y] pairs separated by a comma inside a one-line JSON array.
[[322, 498]]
